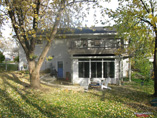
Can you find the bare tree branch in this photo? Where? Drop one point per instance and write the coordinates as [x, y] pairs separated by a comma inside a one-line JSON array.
[[146, 21], [152, 7], [74, 1], [54, 31], [145, 6]]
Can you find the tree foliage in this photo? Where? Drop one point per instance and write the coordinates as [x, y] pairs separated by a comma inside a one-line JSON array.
[[135, 26], [2, 57], [136, 22], [143, 67], [16, 59], [1, 45], [29, 17]]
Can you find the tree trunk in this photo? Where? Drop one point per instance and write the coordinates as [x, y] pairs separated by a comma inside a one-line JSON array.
[[129, 69], [119, 83], [34, 75], [155, 67], [35, 79]]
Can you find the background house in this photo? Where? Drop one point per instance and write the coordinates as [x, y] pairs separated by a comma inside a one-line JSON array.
[[84, 55], [9, 48]]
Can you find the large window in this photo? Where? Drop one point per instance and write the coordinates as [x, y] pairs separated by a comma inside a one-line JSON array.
[[84, 69], [111, 66], [109, 69], [96, 68], [105, 70]]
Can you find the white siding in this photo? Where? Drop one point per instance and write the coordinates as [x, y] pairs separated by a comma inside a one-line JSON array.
[[76, 79], [22, 58], [116, 71], [59, 50], [125, 67]]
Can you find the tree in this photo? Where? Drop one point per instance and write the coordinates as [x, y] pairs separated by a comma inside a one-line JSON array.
[[136, 22], [16, 59], [28, 17], [2, 57], [1, 45]]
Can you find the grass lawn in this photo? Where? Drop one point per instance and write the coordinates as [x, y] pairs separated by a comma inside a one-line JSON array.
[[120, 102]]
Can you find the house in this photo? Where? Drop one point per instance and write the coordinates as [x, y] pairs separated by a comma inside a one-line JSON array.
[[9, 48], [84, 55]]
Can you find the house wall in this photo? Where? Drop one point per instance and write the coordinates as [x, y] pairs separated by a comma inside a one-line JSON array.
[[116, 71], [76, 79], [125, 67], [22, 59], [59, 50]]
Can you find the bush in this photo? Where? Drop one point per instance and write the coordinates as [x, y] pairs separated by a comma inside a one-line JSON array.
[[16, 59], [142, 67], [10, 67], [2, 57], [46, 70]]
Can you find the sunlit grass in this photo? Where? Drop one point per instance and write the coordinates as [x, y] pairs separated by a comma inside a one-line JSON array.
[[122, 101]]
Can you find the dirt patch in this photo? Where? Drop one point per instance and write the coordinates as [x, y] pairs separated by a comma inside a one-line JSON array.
[[63, 84]]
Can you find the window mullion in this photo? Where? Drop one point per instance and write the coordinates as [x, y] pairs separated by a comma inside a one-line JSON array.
[[102, 66], [83, 69]]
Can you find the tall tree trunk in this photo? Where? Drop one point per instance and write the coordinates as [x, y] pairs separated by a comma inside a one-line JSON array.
[[120, 79], [35, 79], [130, 69], [34, 68], [34, 75], [155, 67]]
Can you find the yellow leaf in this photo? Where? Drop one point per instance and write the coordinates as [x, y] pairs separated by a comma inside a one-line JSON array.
[[155, 19], [33, 31], [34, 35], [29, 32], [150, 16], [64, 36], [135, 27], [35, 15], [16, 26], [58, 18], [34, 5]]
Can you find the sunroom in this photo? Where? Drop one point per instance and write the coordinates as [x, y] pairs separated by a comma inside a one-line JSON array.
[[95, 68]]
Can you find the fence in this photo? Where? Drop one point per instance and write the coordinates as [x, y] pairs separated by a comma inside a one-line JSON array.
[[8, 67]]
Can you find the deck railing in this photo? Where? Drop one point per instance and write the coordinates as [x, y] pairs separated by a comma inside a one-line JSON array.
[[87, 44]]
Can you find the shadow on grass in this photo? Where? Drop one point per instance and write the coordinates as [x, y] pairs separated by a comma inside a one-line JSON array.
[[133, 98], [15, 79], [29, 99], [12, 105]]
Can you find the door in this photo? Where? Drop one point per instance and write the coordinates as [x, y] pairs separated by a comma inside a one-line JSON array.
[[60, 69]]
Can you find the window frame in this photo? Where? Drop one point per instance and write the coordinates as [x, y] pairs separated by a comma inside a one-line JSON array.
[[96, 61]]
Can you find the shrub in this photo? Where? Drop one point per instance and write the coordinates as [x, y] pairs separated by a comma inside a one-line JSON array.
[[2, 57], [142, 67], [16, 59]]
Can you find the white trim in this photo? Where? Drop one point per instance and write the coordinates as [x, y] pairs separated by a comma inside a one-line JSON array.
[[102, 61], [94, 57], [90, 72], [102, 69], [86, 34]]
